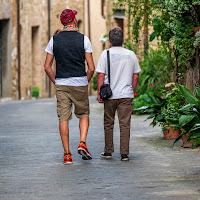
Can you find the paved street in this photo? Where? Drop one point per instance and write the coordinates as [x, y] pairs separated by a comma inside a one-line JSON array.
[[31, 158]]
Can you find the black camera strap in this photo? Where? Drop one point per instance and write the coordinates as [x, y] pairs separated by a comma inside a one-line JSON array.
[[108, 61]]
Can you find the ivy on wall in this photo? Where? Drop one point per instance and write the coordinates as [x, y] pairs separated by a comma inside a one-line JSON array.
[[175, 23]]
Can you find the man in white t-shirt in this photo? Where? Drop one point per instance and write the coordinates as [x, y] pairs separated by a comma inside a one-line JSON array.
[[124, 75], [70, 49]]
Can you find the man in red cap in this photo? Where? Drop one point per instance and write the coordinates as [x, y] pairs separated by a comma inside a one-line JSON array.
[[70, 49]]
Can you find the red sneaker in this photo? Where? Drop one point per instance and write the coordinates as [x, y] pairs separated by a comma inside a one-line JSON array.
[[82, 150], [67, 159]]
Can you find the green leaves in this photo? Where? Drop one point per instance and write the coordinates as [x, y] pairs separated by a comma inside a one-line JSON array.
[[175, 25], [142, 104], [142, 108], [186, 108], [173, 121], [188, 95], [189, 122], [160, 117], [178, 138], [185, 119], [198, 91], [196, 128], [167, 111], [150, 116], [156, 69]]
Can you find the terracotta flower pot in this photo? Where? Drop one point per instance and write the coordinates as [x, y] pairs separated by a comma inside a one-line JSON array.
[[196, 29], [171, 133], [185, 143]]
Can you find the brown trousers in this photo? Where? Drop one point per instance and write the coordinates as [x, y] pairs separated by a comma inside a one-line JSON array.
[[124, 109]]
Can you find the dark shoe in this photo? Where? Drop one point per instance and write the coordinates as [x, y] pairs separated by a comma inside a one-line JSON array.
[[84, 158], [124, 157], [106, 155], [82, 150]]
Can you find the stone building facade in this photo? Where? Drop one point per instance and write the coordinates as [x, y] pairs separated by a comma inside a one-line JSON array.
[[8, 48], [25, 29], [33, 38]]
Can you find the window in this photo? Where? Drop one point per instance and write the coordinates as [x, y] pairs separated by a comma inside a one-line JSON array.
[[119, 14]]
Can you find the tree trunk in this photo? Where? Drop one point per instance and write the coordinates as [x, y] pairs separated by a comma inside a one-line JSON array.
[[193, 74]]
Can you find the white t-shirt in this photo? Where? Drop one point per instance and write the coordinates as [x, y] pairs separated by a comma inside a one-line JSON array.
[[72, 81], [123, 64]]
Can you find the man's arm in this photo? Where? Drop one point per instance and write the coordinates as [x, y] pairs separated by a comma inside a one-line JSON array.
[[47, 67], [100, 81], [91, 67], [135, 81]]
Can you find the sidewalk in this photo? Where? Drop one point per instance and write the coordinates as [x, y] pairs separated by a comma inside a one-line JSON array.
[[31, 158]]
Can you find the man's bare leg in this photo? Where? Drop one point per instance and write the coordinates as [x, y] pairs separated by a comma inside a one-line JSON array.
[[82, 148], [83, 125], [64, 134]]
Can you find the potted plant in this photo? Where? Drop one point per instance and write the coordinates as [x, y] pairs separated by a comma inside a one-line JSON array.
[[165, 111], [35, 92], [189, 120], [170, 111]]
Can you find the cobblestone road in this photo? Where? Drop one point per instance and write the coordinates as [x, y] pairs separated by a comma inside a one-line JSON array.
[[31, 159]]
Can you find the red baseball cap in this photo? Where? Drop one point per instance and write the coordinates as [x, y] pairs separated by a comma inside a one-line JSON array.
[[67, 16]]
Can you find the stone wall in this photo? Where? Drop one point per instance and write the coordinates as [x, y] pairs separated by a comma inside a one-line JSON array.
[[56, 8], [34, 37], [9, 48], [98, 28]]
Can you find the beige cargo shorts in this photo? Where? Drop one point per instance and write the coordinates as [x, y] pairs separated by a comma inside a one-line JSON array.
[[68, 95]]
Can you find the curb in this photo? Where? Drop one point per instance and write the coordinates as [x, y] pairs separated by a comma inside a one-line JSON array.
[[5, 100]]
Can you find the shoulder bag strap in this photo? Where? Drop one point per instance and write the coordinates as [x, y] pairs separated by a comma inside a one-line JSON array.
[[108, 61]]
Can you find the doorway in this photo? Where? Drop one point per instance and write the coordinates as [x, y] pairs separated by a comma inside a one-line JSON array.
[[5, 60], [36, 65]]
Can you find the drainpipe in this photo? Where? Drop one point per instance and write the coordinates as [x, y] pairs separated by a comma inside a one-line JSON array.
[[49, 36], [89, 35], [89, 28], [18, 49], [1, 62], [129, 20]]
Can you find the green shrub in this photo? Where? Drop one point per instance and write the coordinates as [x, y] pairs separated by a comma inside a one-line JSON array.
[[142, 100], [35, 92], [129, 44], [156, 71], [174, 101], [94, 82], [189, 119]]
